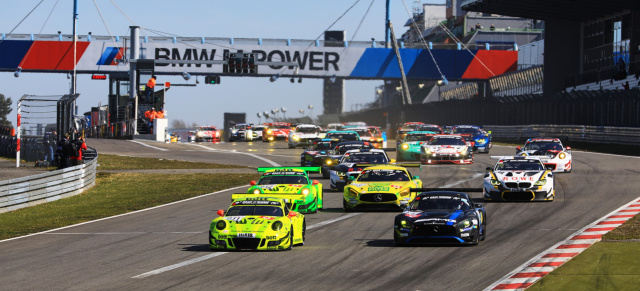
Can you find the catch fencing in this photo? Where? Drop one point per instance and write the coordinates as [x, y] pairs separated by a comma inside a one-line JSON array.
[[50, 186]]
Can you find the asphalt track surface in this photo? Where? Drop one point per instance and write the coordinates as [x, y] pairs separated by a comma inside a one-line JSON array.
[[166, 247]]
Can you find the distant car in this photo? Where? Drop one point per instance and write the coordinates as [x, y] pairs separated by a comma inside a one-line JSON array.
[[430, 127], [441, 217], [191, 136], [376, 137], [406, 127], [338, 151], [318, 152], [410, 148], [352, 163], [276, 131], [452, 149], [263, 223], [207, 133], [257, 130], [304, 135], [519, 179], [241, 132], [550, 151], [381, 187], [480, 139], [291, 183]]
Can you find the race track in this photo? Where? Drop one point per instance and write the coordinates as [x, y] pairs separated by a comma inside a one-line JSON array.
[[166, 247]]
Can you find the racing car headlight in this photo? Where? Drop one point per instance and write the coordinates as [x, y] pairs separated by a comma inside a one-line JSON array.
[[234, 131], [276, 225], [405, 146], [465, 223], [495, 182], [540, 183], [562, 156], [353, 192], [405, 224], [269, 131], [256, 191], [305, 191], [221, 225], [329, 162], [341, 174], [200, 134], [463, 151], [404, 192], [296, 138], [427, 151]]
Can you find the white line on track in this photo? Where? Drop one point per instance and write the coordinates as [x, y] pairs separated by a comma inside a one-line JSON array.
[[206, 257], [128, 213], [242, 153], [144, 144], [132, 232]]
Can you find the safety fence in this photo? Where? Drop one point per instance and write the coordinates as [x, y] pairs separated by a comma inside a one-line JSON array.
[[575, 133], [50, 186]]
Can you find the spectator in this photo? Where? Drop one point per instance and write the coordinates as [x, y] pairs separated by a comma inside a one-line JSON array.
[[493, 27], [49, 141], [80, 146], [478, 27], [150, 115], [148, 89], [625, 85], [160, 113], [62, 152]]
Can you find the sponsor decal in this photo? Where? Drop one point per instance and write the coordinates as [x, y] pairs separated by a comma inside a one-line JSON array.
[[378, 188], [267, 217], [246, 235], [234, 218], [271, 237], [518, 179]]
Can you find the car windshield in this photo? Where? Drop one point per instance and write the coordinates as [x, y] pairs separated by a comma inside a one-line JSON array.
[[341, 149], [281, 126], [429, 128], [292, 179], [255, 210], [446, 141], [543, 146], [408, 128], [370, 158], [431, 203], [383, 176], [363, 132], [343, 135], [417, 137], [207, 128], [466, 130], [307, 129], [259, 128], [519, 166]]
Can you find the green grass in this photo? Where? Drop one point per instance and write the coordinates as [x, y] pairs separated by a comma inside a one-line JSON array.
[[115, 193], [114, 162], [604, 266]]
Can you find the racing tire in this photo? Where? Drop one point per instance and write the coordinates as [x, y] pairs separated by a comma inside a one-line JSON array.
[[325, 174], [316, 202], [484, 234], [290, 239], [396, 241], [344, 206], [291, 147], [304, 230]]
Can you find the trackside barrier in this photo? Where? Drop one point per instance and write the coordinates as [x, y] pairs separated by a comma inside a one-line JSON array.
[[50, 186], [579, 133]]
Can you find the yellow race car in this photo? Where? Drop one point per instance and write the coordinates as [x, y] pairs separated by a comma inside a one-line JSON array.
[[263, 223], [385, 186]]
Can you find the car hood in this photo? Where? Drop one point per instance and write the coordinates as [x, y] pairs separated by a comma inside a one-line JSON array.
[[248, 224], [518, 176], [446, 149], [279, 188], [391, 186], [447, 217]]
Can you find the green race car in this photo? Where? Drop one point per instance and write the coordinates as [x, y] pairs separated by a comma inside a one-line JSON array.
[[291, 183], [411, 146], [257, 224]]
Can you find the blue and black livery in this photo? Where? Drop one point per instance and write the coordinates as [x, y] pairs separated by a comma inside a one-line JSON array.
[[441, 216]]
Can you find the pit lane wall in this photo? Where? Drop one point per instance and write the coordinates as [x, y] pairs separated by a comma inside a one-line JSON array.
[[46, 187]]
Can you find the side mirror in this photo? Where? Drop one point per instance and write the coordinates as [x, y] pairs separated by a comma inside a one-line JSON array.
[[478, 205], [392, 161], [220, 212], [416, 177], [488, 169], [518, 148], [489, 132], [568, 148], [315, 182], [550, 168], [252, 183], [292, 214]]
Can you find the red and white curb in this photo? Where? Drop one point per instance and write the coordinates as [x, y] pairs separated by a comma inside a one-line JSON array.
[[541, 265]]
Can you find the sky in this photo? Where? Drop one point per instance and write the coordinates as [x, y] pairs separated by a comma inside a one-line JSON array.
[[204, 104]]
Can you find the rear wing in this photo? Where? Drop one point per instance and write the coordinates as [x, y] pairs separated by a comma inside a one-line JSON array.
[[306, 169], [446, 189], [289, 198]]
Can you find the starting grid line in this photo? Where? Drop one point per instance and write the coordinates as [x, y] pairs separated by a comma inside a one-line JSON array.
[[530, 272], [206, 257]]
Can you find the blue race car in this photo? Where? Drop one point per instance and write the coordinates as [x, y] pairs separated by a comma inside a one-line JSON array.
[[441, 217], [480, 139]]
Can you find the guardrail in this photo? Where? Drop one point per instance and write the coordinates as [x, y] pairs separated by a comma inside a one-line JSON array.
[[579, 133], [46, 187]]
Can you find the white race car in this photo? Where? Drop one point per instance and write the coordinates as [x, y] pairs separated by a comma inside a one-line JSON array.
[[518, 179], [550, 151], [446, 148], [304, 135]]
